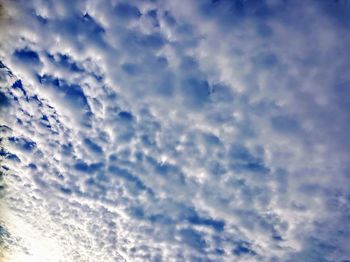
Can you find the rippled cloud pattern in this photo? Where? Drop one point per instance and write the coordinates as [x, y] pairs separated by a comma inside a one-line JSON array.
[[145, 130]]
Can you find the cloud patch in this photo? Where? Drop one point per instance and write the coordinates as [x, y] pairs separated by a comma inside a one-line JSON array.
[[187, 131]]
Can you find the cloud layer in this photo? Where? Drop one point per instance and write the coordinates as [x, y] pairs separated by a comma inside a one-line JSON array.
[[177, 130]]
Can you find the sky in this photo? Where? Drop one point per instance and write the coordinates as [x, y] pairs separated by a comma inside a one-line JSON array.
[[175, 130]]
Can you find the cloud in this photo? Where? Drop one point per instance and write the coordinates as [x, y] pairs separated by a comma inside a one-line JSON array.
[[178, 131]]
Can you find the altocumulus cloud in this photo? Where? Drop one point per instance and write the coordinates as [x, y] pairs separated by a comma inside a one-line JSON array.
[[176, 130]]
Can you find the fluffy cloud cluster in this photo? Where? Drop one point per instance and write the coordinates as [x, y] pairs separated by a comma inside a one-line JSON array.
[[176, 130]]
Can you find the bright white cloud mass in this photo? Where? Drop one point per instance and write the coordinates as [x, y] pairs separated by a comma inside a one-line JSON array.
[[145, 130]]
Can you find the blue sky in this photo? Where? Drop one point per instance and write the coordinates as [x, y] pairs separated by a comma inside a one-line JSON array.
[[180, 130]]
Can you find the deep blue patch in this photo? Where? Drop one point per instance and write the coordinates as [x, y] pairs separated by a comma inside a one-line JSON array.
[[75, 94], [338, 10], [247, 9], [37, 100], [82, 166], [160, 219], [2, 65], [152, 13], [217, 169], [243, 160], [88, 168], [238, 8], [165, 169], [23, 143], [172, 172], [239, 152], [44, 118], [254, 167], [32, 166], [277, 237], [65, 61], [243, 248], [161, 62], [219, 251], [137, 212], [221, 93], [131, 69], [18, 84], [3, 152], [27, 56], [126, 116], [189, 64], [139, 156], [211, 139], [67, 149], [12, 157], [123, 173], [126, 135], [93, 146], [343, 94], [152, 41], [165, 86], [193, 238], [154, 17], [92, 26], [4, 101], [72, 93], [169, 19], [4, 168], [42, 20], [218, 225], [196, 92], [65, 190], [127, 12], [230, 13], [147, 141]]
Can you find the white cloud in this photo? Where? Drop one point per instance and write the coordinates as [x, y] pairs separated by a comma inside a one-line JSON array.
[[178, 131]]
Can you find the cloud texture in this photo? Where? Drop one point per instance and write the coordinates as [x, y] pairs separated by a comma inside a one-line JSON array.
[[176, 130]]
